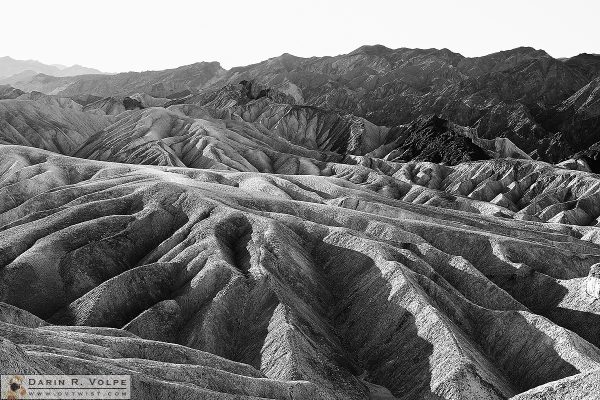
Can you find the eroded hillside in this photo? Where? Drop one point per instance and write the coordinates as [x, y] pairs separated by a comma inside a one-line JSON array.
[[425, 287]]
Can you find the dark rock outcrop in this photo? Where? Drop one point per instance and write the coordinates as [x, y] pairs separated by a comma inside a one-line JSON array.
[[431, 139], [132, 104]]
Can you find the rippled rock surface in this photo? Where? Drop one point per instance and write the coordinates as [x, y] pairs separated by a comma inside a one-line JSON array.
[[415, 283]]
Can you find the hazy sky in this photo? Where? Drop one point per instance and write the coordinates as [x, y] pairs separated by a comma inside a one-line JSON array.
[[138, 35]]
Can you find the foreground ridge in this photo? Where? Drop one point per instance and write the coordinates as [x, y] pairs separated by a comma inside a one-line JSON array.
[[411, 280]]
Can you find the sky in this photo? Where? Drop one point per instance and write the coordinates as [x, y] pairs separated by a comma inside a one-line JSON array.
[[133, 35]]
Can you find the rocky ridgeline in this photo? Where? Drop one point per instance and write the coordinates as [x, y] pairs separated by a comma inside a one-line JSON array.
[[523, 94]]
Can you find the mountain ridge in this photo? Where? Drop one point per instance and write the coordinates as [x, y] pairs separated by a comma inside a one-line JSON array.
[[512, 94], [10, 69]]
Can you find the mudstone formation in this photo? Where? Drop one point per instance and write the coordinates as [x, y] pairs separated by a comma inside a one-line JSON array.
[[385, 224]]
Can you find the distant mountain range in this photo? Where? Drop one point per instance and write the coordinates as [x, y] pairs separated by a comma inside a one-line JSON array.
[[546, 106], [12, 70]]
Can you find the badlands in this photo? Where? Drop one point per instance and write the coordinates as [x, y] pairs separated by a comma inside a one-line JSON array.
[[386, 224]]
